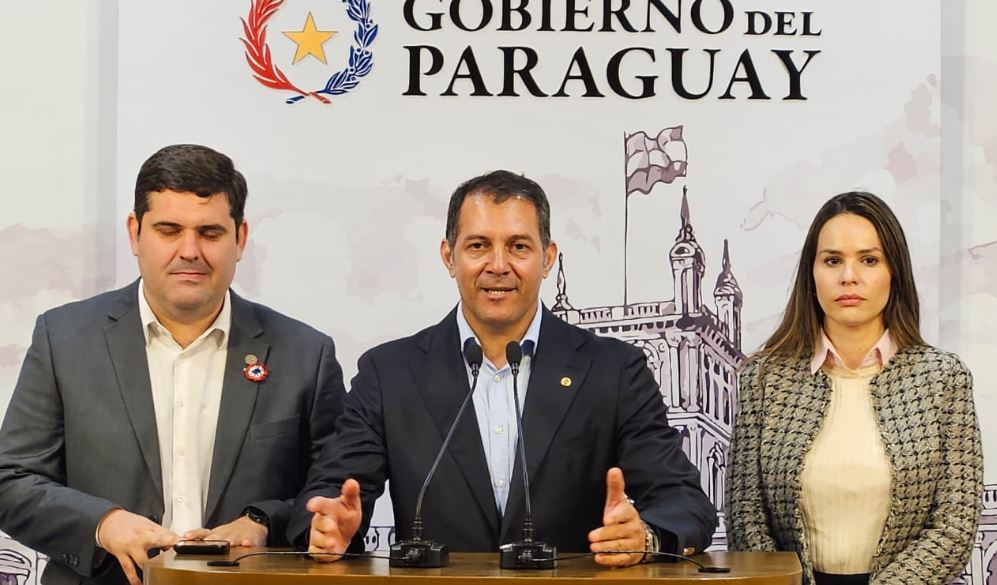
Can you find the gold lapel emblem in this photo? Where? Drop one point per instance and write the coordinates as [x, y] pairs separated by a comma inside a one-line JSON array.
[[251, 359], [566, 382]]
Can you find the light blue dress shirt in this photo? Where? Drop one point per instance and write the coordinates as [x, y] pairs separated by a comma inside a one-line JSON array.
[[494, 407]]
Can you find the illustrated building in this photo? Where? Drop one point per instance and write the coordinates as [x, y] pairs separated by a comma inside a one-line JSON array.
[[693, 350], [982, 566], [19, 565]]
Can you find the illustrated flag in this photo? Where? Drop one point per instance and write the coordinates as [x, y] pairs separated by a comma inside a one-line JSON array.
[[652, 160]]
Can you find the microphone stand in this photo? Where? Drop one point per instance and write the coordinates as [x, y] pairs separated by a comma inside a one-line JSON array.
[[417, 552], [526, 553]]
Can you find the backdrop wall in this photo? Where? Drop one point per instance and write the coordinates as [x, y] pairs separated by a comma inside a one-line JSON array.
[[753, 117]]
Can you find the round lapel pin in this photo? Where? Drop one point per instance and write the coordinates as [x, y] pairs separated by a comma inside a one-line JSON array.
[[565, 381], [256, 372]]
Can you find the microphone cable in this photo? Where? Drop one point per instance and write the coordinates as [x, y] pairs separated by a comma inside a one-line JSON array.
[[303, 554]]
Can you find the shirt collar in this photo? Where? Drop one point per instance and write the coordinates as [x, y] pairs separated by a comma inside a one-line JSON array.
[[152, 327], [529, 340], [881, 353]]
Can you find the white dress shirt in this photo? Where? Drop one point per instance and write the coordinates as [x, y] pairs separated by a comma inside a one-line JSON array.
[[186, 393], [495, 408]]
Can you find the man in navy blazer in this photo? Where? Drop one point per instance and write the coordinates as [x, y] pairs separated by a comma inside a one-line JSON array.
[[592, 416], [249, 396]]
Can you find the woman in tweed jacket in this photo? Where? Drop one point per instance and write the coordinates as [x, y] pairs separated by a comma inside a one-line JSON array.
[[848, 293]]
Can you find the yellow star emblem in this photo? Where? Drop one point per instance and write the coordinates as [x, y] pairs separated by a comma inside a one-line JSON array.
[[309, 40]]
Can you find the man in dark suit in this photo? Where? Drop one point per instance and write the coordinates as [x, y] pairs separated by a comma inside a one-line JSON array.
[[171, 406], [592, 415]]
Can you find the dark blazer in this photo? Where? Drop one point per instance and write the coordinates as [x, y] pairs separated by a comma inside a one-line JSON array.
[[79, 437], [407, 393]]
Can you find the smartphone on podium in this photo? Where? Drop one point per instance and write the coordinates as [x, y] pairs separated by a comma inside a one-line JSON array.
[[201, 547]]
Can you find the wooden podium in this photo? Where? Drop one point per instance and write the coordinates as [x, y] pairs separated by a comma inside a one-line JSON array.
[[781, 568]]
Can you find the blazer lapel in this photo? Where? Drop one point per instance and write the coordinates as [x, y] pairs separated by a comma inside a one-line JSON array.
[[547, 402], [126, 344], [442, 382], [238, 399]]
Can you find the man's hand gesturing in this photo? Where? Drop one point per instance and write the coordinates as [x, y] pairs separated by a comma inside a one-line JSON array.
[[335, 522]]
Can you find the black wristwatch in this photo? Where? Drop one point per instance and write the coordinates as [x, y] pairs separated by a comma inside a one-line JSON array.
[[258, 516]]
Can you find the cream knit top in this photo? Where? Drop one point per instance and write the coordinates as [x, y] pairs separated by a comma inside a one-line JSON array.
[[846, 477]]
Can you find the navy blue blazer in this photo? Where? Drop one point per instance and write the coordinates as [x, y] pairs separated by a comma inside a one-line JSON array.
[[611, 413]]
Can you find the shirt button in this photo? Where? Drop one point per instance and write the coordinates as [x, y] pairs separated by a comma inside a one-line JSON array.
[[181, 452], [500, 482], [498, 377], [499, 430], [180, 499]]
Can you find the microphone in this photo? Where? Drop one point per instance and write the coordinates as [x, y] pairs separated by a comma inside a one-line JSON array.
[[526, 553], [417, 552]]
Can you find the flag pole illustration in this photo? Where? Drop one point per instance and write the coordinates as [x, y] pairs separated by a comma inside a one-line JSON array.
[[648, 161]]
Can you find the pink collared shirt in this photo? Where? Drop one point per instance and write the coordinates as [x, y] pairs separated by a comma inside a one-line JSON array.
[[882, 352]]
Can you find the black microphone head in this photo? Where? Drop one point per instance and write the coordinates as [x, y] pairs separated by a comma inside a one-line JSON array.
[[472, 353], [513, 353]]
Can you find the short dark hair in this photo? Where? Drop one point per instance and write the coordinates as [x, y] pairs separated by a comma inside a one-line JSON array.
[[500, 185], [191, 168], [803, 318]]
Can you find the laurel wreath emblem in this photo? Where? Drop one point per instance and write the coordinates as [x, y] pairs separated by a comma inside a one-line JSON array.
[[258, 51]]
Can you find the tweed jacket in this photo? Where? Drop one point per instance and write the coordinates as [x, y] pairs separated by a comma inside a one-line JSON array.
[[923, 402]]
